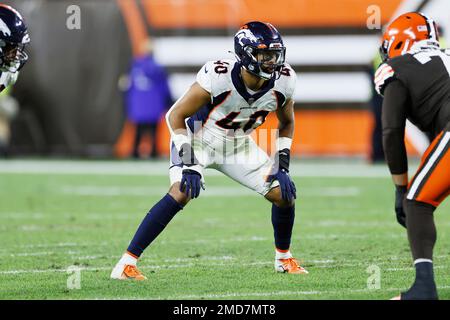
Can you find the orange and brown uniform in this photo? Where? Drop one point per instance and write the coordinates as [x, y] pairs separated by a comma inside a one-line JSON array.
[[416, 86]]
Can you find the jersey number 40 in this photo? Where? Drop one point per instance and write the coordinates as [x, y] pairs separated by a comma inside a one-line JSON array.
[[229, 123]]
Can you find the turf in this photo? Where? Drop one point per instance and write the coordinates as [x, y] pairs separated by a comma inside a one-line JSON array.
[[219, 247]]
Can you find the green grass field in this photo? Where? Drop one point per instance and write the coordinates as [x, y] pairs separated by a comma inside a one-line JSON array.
[[56, 214]]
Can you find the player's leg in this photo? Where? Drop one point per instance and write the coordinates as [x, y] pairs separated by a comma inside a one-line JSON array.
[[153, 224], [283, 217], [137, 140], [429, 187], [250, 167], [157, 218], [153, 136]]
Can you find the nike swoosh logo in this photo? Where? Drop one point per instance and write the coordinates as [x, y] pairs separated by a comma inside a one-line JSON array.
[[206, 71]]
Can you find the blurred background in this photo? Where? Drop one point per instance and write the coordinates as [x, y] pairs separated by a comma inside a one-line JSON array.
[[102, 73]]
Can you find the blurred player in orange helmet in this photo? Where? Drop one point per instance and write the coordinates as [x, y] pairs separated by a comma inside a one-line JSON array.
[[415, 82], [405, 31]]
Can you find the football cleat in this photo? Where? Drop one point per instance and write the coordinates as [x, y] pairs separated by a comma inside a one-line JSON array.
[[289, 265], [415, 294], [127, 272]]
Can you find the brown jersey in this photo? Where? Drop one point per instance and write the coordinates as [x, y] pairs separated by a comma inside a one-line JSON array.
[[426, 76], [416, 86]]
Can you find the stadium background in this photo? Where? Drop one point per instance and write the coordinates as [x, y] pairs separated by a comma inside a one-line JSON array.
[[71, 104]]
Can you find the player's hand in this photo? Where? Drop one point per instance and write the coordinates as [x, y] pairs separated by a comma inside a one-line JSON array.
[[287, 186], [400, 192], [191, 182], [280, 172]]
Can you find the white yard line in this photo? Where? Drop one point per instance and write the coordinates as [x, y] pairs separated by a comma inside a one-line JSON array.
[[227, 262], [115, 191], [356, 169], [51, 245], [411, 268], [29, 254], [22, 215], [324, 223], [223, 295], [75, 255], [282, 293], [325, 236], [211, 191]]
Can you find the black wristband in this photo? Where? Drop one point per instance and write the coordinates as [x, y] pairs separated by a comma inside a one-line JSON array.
[[284, 157], [189, 171]]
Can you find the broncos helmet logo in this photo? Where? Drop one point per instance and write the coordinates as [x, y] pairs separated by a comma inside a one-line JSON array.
[[4, 28], [246, 34]]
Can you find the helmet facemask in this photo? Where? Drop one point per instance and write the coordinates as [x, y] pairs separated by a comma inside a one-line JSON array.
[[265, 62], [384, 50], [12, 56]]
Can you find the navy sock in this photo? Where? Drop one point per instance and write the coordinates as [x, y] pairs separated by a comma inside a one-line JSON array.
[[424, 287], [154, 222], [283, 222], [424, 271]]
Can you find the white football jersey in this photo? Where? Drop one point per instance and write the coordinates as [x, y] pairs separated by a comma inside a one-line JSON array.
[[233, 110]]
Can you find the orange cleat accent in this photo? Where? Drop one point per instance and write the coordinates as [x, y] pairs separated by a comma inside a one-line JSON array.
[[132, 272], [289, 265], [127, 272]]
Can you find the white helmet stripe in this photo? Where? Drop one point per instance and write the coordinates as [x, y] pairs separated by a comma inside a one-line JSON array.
[[431, 25], [433, 34]]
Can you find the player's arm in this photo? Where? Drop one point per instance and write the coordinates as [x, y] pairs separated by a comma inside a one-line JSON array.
[[285, 115], [186, 106], [395, 104]]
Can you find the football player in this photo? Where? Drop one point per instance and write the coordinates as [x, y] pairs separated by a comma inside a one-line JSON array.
[[13, 39], [210, 127], [415, 82]]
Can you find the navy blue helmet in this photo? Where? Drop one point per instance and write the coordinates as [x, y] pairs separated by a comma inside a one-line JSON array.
[[260, 49], [13, 39]]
